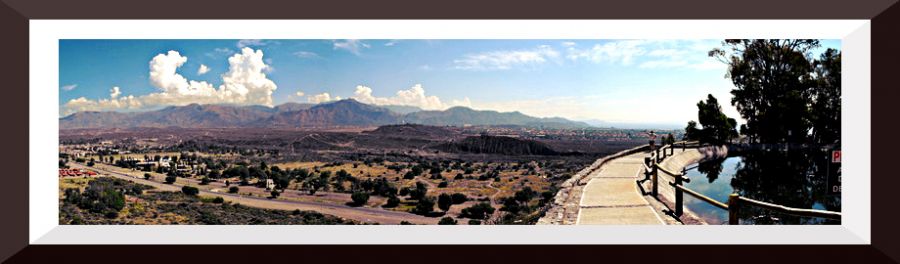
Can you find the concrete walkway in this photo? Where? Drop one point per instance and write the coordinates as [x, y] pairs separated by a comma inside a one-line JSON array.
[[612, 197]]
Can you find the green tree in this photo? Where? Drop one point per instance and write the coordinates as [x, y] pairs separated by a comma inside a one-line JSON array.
[[826, 98], [233, 189], [147, 176], [774, 80], [444, 202], [171, 179], [717, 127]]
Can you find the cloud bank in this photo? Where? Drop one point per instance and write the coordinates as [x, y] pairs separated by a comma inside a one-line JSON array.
[[414, 96], [245, 83]]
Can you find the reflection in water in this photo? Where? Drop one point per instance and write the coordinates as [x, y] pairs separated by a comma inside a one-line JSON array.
[[792, 178]]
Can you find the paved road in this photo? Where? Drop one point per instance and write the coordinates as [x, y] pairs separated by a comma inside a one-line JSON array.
[[362, 214], [612, 197]]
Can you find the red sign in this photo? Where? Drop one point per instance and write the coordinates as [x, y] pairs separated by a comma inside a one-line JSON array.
[[836, 156]]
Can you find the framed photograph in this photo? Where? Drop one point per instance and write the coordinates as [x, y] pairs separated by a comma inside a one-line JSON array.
[[552, 132]]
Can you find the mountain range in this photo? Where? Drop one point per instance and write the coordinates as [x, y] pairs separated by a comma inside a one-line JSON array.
[[346, 112]]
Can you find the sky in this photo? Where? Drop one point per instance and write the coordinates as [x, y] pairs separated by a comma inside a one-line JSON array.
[[625, 81]]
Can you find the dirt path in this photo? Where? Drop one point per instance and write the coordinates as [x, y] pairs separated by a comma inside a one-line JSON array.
[[362, 214]]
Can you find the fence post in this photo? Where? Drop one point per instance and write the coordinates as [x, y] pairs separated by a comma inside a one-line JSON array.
[[733, 209], [655, 180], [657, 155], [683, 146], [679, 196]]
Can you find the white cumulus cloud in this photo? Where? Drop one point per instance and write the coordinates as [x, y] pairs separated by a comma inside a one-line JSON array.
[[414, 96], [202, 70], [114, 92], [319, 98], [245, 83]]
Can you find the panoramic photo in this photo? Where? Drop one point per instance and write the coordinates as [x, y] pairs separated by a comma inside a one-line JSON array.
[[449, 132]]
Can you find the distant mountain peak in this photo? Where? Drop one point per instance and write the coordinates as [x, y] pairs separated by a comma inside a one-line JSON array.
[[346, 112]]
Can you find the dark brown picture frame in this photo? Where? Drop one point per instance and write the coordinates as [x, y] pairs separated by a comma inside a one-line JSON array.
[[14, 21]]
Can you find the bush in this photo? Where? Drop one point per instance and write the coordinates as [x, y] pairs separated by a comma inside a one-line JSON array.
[[189, 190], [274, 194], [233, 189], [418, 192], [479, 211], [447, 221], [147, 176], [359, 198], [218, 200], [443, 184], [392, 201], [525, 195], [474, 222], [444, 202], [204, 181], [458, 198], [170, 179], [406, 223], [425, 206]]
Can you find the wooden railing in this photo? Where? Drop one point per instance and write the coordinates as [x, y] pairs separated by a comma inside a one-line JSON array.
[[735, 202]]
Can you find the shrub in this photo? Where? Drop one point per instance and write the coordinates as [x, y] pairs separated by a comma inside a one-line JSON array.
[[359, 198], [474, 222], [147, 176], [405, 223], [444, 202], [233, 189], [479, 211], [458, 198], [189, 190], [274, 194], [425, 206], [204, 181], [525, 195], [443, 184], [392, 201], [218, 200], [418, 192], [447, 221], [170, 179]]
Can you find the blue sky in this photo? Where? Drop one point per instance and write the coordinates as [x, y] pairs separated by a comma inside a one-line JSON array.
[[632, 81]]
